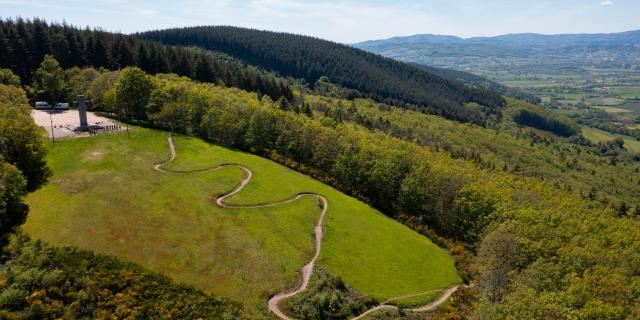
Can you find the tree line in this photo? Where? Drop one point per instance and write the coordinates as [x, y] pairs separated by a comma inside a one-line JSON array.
[[544, 120], [24, 43], [310, 58], [22, 164]]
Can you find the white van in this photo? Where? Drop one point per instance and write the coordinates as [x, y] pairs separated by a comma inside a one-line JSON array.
[[61, 106], [41, 105]]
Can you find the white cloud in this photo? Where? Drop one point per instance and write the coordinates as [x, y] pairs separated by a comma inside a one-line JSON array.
[[342, 20], [607, 3]]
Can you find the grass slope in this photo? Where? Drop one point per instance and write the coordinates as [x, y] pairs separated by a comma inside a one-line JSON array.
[[105, 196], [597, 135]]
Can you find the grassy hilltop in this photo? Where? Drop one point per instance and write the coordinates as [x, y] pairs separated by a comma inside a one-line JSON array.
[[105, 196]]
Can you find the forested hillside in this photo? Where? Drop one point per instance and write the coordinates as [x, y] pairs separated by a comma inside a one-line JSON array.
[[596, 171], [23, 44], [311, 58]]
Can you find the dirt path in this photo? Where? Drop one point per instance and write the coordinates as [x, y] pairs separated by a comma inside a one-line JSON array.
[[428, 307], [307, 270]]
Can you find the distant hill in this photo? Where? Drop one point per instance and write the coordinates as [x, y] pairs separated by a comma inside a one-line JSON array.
[[23, 44], [526, 49], [629, 39], [523, 41], [310, 58]]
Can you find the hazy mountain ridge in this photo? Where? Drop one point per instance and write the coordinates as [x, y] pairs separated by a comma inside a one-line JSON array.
[[516, 40], [526, 52]]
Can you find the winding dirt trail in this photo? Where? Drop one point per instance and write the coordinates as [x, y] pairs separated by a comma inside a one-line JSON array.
[[428, 307], [307, 270]]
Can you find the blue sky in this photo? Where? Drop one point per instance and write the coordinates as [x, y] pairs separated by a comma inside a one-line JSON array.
[[343, 20]]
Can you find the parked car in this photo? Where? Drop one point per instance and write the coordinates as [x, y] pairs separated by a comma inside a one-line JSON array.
[[41, 105], [61, 106]]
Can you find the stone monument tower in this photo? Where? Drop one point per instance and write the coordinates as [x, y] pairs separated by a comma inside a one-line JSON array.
[[82, 110]]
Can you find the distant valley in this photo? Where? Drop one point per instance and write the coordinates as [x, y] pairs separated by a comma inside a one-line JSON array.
[[592, 78], [527, 51]]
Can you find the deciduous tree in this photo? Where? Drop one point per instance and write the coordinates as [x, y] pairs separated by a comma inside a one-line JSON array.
[[132, 93], [9, 78], [49, 79]]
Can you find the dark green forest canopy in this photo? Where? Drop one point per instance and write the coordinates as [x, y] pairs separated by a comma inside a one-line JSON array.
[[545, 121], [310, 58], [24, 43]]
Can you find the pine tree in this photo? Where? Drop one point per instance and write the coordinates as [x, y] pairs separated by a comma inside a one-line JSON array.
[[41, 41], [5, 52], [101, 55], [623, 209], [283, 103], [143, 60], [307, 110], [203, 70]]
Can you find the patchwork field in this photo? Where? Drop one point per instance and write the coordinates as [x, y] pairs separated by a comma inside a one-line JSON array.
[[596, 135], [105, 196]]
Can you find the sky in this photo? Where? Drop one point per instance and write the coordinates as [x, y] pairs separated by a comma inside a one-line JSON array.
[[346, 21]]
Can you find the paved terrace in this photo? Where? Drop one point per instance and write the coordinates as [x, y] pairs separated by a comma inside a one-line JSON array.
[[65, 121]]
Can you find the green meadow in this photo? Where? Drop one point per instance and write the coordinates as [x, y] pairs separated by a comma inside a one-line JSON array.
[[416, 300], [105, 196], [627, 91], [596, 135]]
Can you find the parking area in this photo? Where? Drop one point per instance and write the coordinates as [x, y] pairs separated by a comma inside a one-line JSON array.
[[65, 122]]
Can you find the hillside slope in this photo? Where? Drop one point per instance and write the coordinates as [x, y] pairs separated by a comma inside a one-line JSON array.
[[167, 222], [544, 248], [310, 58], [506, 147]]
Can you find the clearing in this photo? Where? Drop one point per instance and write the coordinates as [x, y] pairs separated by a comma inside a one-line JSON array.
[[597, 135]]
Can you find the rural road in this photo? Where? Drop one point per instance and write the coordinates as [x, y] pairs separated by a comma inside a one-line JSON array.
[[307, 270]]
